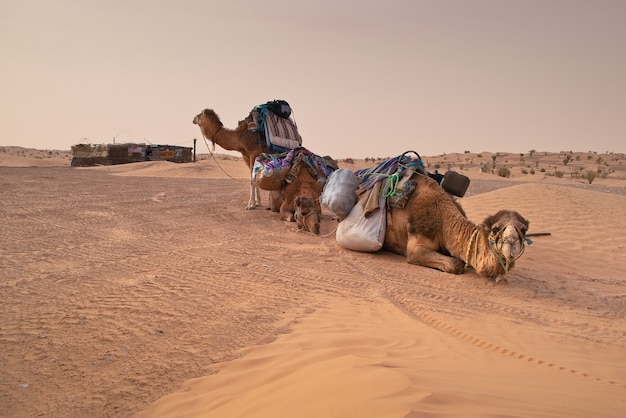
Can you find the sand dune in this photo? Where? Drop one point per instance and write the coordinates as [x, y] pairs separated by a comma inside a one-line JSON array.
[[147, 290]]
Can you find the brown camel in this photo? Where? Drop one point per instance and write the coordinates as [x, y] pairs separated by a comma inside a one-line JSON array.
[[432, 230], [240, 139], [301, 203]]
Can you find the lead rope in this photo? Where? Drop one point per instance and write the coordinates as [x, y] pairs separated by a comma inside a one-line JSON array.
[[213, 155]]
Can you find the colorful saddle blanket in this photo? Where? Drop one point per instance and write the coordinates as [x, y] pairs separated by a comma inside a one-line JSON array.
[[272, 170]]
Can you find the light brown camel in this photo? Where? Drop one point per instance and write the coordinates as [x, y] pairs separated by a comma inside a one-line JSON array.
[[432, 230], [301, 199], [240, 139]]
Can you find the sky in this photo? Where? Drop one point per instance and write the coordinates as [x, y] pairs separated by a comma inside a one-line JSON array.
[[364, 78]]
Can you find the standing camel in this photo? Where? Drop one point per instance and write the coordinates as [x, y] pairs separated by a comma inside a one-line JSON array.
[[240, 139]]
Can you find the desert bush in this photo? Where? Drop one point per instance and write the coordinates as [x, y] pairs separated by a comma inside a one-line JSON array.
[[591, 176], [559, 174], [504, 172], [524, 171]]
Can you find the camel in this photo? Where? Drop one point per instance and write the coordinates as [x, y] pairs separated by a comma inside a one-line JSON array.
[[432, 230], [301, 203], [240, 139]]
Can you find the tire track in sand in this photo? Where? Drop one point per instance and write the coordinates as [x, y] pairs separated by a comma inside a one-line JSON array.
[[413, 306]]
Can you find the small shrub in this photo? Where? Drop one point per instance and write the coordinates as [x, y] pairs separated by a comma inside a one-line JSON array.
[[524, 171], [504, 172], [591, 176], [559, 174]]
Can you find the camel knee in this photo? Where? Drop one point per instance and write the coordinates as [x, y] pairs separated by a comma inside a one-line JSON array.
[[286, 213], [423, 256]]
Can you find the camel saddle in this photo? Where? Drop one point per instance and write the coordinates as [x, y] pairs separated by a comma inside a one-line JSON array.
[[394, 179], [274, 124], [272, 171]]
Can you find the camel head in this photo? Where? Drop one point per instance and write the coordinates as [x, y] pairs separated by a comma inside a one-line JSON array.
[[307, 214], [507, 237], [209, 123]]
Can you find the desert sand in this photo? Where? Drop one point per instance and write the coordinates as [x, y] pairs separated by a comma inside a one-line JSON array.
[[147, 290]]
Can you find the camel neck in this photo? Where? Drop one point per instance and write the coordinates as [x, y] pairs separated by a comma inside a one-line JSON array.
[[215, 134]]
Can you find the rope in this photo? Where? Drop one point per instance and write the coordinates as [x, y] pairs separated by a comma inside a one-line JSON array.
[[215, 159], [391, 185], [474, 237], [331, 232]]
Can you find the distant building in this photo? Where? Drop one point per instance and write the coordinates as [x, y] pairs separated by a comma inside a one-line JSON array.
[[85, 155]]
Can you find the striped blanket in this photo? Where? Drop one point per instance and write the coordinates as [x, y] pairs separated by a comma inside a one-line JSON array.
[[279, 132]]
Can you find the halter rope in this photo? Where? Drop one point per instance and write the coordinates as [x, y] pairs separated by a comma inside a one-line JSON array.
[[213, 155]]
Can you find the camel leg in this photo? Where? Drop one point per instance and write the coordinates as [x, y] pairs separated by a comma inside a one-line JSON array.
[[276, 200], [253, 192], [419, 253], [258, 195]]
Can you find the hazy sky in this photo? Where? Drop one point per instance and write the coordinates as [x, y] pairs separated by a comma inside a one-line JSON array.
[[364, 78]]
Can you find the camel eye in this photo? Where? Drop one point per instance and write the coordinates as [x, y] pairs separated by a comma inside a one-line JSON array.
[[495, 230]]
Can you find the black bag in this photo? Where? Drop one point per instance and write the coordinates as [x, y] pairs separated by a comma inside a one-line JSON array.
[[279, 108], [455, 183], [452, 182]]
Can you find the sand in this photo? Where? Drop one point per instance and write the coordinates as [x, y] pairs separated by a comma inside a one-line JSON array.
[[147, 290]]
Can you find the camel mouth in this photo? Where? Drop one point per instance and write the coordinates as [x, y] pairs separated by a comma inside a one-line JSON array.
[[195, 120], [512, 250]]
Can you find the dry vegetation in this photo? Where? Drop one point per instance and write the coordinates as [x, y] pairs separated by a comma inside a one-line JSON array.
[[565, 164], [582, 166]]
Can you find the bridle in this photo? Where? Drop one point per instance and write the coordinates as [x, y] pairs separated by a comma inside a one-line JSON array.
[[298, 214], [214, 136], [495, 245], [504, 261]]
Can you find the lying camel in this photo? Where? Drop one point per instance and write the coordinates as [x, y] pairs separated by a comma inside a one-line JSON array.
[[432, 230], [240, 139], [301, 199]]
